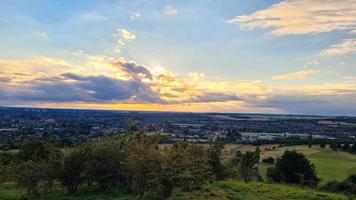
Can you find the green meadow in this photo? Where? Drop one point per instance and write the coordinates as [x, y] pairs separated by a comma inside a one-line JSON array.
[[330, 165]]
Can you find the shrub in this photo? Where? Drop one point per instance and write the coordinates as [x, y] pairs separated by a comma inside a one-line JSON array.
[[347, 186], [72, 172], [293, 168], [268, 160]]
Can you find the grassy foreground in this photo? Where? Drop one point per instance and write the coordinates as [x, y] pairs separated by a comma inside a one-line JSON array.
[[229, 190], [233, 190]]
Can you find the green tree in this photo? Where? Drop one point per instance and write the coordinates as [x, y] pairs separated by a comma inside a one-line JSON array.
[[346, 147], [248, 166], [104, 163], [333, 146], [187, 166], [322, 145], [233, 136], [72, 172], [28, 175], [38, 150], [146, 173], [214, 159], [353, 148], [310, 140], [293, 168]]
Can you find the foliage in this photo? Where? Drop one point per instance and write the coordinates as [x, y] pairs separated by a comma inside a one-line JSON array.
[[268, 160], [214, 159], [347, 186], [248, 166], [229, 189], [187, 166], [293, 168], [72, 171]]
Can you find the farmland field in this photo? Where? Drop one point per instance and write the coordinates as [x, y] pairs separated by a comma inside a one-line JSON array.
[[330, 165]]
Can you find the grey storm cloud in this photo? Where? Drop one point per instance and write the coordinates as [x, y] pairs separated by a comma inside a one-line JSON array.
[[133, 69], [71, 87], [92, 89]]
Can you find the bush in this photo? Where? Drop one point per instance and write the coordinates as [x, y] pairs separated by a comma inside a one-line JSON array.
[[322, 145], [293, 168], [347, 186], [187, 166], [72, 171], [269, 160], [248, 166]]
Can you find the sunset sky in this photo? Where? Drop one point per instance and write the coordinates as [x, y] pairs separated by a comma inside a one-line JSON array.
[[256, 56]]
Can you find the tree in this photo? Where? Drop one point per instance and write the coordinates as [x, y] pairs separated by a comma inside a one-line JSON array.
[[72, 171], [103, 164], [39, 163], [310, 140], [333, 146], [322, 145], [38, 150], [257, 154], [7, 162], [293, 168], [28, 175], [269, 160], [248, 166], [353, 148], [346, 147], [146, 172], [187, 166], [347, 186], [131, 126], [233, 136], [214, 157]]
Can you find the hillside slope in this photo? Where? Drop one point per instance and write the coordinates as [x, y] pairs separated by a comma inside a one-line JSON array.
[[222, 190], [233, 190]]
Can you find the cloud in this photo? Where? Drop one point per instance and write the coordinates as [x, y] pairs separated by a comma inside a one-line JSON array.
[[133, 70], [131, 85], [196, 76], [24, 70], [350, 78], [43, 34], [170, 11], [135, 15], [135, 84], [123, 36], [5, 79], [303, 74], [347, 46], [302, 17]]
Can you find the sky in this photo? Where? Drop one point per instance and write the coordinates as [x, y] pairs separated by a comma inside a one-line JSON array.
[[255, 56]]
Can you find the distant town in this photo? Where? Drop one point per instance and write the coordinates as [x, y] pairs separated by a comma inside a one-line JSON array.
[[65, 127]]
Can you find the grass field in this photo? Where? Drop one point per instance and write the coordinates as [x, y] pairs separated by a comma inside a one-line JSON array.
[[11, 192], [330, 165], [222, 190], [233, 190]]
